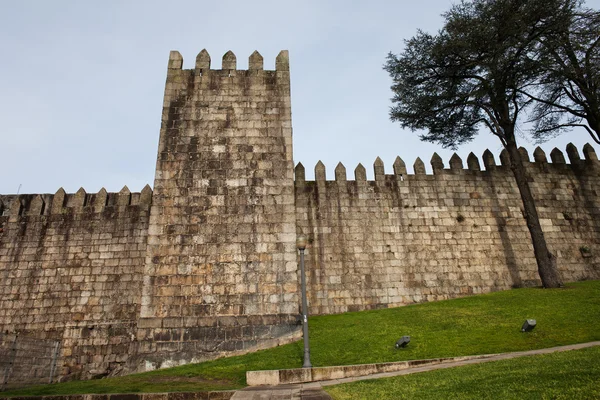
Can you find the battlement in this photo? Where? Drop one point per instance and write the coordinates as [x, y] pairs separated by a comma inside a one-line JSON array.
[[192, 86], [229, 62], [16, 206], [456, 166], [205, 262]]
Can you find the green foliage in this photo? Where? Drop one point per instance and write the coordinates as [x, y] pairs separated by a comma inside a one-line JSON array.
[[568, 375], [568, 91], [472, 72], [476, 72], [480, 324]]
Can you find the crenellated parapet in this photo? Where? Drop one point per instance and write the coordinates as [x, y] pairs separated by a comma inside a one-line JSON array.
[[223, 217], [454, 229], [71, 267], [229, 62], [30, 205], [588, 165], [206, 264], [205, 77]]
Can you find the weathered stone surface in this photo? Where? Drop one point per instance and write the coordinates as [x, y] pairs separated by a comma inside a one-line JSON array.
[[557, 156], [296, 375], [539, 155], [340, 173], [573, 154], [379, 170], [26, 360], [524, 154], [419, 166], [505, 158], [436, 163], [221, 242], [488, 159], [205, 263], [441, 236], [175, 60], [229, 61], [255, 62], [360, 173], [259, 378], [473, 162], [399, 168], [76, 277], [203, 61], [589, 153], [456, 162]]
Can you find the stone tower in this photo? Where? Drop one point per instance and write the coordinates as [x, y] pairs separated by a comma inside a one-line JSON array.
[[205, 264], [220, 272]]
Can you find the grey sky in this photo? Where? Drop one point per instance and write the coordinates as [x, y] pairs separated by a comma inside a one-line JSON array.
[[81, 83]]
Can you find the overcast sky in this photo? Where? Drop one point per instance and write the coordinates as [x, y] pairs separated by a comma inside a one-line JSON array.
[[81, 82]]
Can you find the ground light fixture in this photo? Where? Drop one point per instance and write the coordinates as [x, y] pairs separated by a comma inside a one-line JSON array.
[[403, 342], [528, 325]]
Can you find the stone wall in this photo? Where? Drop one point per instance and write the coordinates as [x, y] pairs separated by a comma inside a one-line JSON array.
[[25, 360], [405, 238], [206, 264], [71, 270], [220, 272]]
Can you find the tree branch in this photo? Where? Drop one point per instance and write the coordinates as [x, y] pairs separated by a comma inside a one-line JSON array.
[[558, 126], [553, 104]]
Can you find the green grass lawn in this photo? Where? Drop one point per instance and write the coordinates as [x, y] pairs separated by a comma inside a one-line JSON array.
[[472, 325], [569, 375]]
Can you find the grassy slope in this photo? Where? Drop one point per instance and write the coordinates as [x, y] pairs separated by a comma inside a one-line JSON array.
[[472, 325], [569, 375]]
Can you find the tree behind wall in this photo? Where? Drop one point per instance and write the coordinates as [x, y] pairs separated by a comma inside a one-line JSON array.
[[471, 75], [568, 91]]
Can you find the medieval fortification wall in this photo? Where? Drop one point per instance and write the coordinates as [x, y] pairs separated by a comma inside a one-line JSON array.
[[405, 238], [71, 269], [205, 264]]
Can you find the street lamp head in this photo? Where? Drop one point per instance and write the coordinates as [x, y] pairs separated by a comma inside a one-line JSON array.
[[301, 241]]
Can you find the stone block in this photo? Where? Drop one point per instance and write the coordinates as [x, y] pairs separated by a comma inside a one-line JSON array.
[[214, 258], [131, 396], [259, 378], [327, 373], [155, 396], [221, 395], [297, 375]]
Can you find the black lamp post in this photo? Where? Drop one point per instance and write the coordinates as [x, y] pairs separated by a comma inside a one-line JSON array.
[[301, 244]]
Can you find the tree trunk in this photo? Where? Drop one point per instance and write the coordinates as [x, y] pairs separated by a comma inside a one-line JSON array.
[[546, 261], [593, 121]]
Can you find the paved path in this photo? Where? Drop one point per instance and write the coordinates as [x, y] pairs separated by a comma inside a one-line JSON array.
[[313, 390], [303, 391]]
